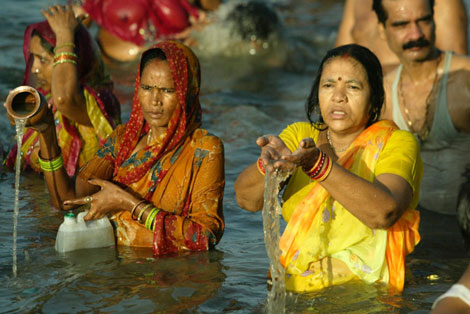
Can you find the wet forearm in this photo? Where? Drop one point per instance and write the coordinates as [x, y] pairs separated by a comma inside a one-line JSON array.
[[58, 182], [249, 189]]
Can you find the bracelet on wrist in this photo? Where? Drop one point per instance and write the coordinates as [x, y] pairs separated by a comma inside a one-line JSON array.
[[141, 213], [53, 164], [70, 44], [318, 166], [325, 170], [259, 165], [135, 207]]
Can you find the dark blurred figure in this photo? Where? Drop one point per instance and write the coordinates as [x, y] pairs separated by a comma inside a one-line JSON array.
[[463, 210]]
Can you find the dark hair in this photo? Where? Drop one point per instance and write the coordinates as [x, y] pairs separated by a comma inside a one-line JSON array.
[[149, 55], [382, 15], [371, 65], [44, 43], [253, 19]]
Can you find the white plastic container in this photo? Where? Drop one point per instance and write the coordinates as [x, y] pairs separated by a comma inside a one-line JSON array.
[[75, 233]]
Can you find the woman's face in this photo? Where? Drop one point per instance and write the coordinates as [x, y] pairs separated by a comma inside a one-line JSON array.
[[344, 95], [42, 63], [157, 94]]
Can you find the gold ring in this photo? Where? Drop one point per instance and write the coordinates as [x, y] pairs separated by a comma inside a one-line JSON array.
[[88, 199]]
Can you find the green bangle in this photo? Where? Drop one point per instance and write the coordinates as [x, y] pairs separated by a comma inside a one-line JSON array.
[[151, 216], [51, 165], [152, 225], [63, 61]]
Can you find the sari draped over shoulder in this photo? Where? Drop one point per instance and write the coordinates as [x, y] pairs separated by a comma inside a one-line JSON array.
[[141, 21], [324, 244], [183, 175], [78, 142]]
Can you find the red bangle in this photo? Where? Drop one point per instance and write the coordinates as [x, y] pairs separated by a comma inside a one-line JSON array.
[[314, 172], [324, 170], [260, 166]]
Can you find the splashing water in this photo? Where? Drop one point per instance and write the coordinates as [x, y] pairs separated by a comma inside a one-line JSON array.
[[271, 224], [20, 124]]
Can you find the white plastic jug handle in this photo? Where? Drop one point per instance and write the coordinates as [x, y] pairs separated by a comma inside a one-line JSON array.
[[81, 216]]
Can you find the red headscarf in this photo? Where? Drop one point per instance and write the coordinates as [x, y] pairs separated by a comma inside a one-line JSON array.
[[139, 21], [185, 70]]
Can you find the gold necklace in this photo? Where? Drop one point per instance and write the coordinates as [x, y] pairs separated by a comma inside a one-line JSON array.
[[424, 133], [331, 143], [149, 137]]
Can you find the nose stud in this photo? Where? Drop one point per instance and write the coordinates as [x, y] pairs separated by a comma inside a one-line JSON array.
[[36, 70]]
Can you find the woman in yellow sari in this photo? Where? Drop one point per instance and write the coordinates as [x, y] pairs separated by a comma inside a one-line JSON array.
[[350, 199], [160, 176]]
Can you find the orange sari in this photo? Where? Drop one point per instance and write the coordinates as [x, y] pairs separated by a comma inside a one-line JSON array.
[[183, 176]]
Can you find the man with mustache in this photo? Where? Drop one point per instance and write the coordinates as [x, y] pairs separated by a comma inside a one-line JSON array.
[[429, 95], [360, 25]]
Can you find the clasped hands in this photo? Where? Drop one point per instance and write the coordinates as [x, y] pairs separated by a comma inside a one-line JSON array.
[[276, 156]]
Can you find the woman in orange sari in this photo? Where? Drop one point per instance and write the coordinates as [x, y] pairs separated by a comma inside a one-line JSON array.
[[64, 64], [350, 199], [160, 176]]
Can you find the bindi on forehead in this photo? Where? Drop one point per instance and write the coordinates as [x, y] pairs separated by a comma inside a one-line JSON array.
[[339, 78]]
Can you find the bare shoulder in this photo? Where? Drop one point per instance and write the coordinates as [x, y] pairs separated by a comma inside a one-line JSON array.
[[460, 62], [390, 77], [387, 112]]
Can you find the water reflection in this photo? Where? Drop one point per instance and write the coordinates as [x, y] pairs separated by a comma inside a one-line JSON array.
[[113, 280]]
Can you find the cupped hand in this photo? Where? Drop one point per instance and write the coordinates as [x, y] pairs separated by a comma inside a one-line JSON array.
[[110, 198], [305, 156], [272, 149], [61, 19]]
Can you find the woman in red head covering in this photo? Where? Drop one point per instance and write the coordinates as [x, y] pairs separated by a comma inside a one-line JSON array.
[[64, 64], [160, 176]]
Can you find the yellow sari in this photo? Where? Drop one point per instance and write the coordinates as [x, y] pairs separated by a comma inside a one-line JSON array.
[[324, 244]]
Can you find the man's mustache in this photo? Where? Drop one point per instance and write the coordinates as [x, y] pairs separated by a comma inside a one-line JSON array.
[[422, 42]]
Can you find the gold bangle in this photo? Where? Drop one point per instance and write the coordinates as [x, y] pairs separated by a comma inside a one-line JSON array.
[[316, 163], [139, 218], [63, 46], [63, 61], [135, 207], [327, 171]]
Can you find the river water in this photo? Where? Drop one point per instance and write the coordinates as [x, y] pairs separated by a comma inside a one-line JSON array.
[[242, 97]]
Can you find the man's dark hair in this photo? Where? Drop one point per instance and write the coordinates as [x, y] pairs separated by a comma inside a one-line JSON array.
[[382, 15], [371, 65], [254, 20]]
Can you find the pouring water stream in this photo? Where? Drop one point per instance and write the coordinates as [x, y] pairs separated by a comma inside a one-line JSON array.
[[20, 125]]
